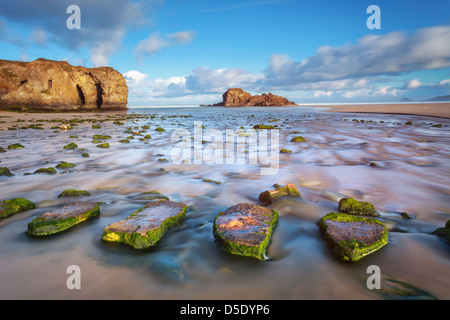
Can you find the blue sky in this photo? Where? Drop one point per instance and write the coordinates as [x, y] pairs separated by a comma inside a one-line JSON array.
[[191, 51]]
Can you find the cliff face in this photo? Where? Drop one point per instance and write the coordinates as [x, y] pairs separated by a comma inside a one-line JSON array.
[[56, 85], [236, 97]]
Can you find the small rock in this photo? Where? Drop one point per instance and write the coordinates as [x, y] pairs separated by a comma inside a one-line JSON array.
[[49, 170], [13, 206], [70, 146], [15, 146], [298, 139], [267, 197], [285, 151], [443, 233], [64, 218], [73, 193], [65, 165], [103, 145], [245, 229], [4, 171], [352, 206]]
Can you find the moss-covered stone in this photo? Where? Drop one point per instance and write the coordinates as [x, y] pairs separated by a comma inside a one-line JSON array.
[[4, 171], [285, 151], [49, 170], [70, 146], [298, 139], [352, 206], [13, 206], [95, 126], [103, 145], [65, 165], [74, 193], [85, 155], [124, 141], [443, 233], [350, 237], [64, 218], [101, 137], [245, 229], [289, 190], [211, 181], [145, 227], [15, 146], [264, 126], [159, 129], [152, 196]]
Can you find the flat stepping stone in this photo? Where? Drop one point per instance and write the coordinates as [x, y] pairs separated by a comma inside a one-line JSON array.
[[245, 229], [64, 218], [352, 206], [350, 237], [267, 197], [145, 227], [13, 206]]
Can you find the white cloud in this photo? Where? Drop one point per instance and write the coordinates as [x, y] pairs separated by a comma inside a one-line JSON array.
[[156, 42], [413, 84]]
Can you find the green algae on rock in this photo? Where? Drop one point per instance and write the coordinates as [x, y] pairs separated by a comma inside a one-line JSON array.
[[352, 206], [4, 171], [13, 206], [145, 227], [151, 195], [103, 145], [211, 181], [70, 146], [15, 146], [49, 170], [285, 151], [443, 233], [245, 229], [65, 165], [267, 197], [101, 137], [298, 139], [64, 218], [350, 237], [74, 193]]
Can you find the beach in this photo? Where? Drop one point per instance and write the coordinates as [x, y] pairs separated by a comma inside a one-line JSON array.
[[441, 110], [398, 162]]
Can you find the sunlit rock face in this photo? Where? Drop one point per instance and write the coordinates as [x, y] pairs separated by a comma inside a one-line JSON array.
[[57, 85]]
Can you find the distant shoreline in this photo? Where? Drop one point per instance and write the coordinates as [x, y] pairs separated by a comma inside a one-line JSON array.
[[440, 110]]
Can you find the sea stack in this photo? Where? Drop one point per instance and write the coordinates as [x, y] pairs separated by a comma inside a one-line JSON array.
[[236, 97], [58, 86]]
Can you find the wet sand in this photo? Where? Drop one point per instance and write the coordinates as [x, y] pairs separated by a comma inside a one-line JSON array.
[[410, 174], [441, 110]]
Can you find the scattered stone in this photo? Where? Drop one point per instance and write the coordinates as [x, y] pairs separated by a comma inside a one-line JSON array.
[[263, 126], [437, 125], [74, 193], [290, 190], [71, 145], [408, 123], [13, 206], [352, 206], [443, 233], [245, 229], [64, 218], [159, 129], [406, 215], [212, 181], [96, 126], [152, 195], [15, 146], [103, 145], [298, 139], [65, 165], [392, 289], [85, 155], [4, 171], [124, 141], [101, 137], [350, 237], [145, 227], [285, 151], [49, 170]]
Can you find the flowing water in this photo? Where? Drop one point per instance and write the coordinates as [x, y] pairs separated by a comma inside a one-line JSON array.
[[409, 173]]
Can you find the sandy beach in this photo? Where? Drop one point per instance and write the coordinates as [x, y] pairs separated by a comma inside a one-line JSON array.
[[441, 110]]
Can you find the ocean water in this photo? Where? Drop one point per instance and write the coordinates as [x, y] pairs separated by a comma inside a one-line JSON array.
[[409, 173]]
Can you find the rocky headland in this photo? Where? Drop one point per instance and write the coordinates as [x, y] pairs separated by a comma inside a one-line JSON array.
[[236, 97], [58, 86]]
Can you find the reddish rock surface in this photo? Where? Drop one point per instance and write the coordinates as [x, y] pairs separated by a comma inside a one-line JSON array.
[[237, 97], [57, 85]]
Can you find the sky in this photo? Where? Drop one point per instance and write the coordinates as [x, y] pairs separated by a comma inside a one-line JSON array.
[[191, 51]]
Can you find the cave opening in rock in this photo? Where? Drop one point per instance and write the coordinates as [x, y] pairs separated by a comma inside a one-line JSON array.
[[50, 84], [98, 85], [23, 82], [81, 95]]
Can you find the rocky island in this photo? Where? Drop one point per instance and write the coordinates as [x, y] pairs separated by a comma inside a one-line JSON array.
[[236, 97], [58, 86]]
